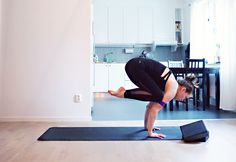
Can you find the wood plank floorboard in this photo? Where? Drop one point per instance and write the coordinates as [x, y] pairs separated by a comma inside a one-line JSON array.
[[18, 143]]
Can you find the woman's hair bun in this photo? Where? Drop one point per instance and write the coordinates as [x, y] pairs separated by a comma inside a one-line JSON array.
[[192, 79]]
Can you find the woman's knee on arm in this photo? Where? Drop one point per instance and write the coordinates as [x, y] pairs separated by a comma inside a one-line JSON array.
[[155, 107]]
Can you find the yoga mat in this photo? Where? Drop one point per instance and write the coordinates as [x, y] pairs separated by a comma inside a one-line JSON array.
[[106, 134]]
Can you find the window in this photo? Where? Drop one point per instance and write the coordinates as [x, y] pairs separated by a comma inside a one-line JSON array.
[[204, 36]]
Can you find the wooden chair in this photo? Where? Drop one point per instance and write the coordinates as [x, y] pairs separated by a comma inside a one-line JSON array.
[[198, 66], [177, 76], [176, 64]]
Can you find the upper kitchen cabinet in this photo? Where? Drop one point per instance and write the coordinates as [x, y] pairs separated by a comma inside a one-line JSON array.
[[145, 25], [164, 22], [100, 24], [115, 25], [130, 25], [132, 21], [108, 24]]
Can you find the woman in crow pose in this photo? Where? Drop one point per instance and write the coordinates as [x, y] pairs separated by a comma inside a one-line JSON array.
[[156, 84]]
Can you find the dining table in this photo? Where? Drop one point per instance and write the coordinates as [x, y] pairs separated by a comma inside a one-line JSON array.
[[210, 69]]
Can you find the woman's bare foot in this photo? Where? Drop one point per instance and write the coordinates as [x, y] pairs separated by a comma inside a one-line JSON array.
[[118, 93]]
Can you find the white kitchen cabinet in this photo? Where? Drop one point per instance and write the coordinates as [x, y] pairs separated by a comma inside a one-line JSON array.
[[117, 22], [128, 83], [100, 24], [108, 76], [164, 24], [130, 25], [145, 25], [116, 76], [108, 24], [101, 78], [115, 25]]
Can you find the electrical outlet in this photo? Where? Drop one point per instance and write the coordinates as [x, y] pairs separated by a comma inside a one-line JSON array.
[[129, 50], [77, 98]]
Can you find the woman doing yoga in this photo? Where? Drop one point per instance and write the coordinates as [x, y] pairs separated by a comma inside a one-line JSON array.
[[156, 84]]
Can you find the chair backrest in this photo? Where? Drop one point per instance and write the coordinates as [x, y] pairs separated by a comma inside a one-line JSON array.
[[199, 66], [175, 63], [164, 63], [195, 63]]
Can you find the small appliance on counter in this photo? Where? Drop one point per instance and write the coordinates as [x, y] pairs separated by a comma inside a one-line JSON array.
[[144, 54]]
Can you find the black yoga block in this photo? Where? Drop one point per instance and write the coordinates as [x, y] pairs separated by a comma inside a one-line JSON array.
[[195, 132]]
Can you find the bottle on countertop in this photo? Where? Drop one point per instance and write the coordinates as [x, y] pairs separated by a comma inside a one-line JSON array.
[[95, 58]]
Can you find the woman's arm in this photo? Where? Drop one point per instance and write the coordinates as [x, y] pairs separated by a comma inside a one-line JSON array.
[[151, 117], [169, 94]]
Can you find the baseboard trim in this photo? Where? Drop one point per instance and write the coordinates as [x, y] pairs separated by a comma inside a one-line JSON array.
[[45, 119]]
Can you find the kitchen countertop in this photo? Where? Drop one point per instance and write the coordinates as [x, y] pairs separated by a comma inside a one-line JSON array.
[[109, 63], [216, 65]]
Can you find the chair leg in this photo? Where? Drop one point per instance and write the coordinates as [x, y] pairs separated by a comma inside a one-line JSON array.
[[197, 97], [171, 105], [165, 106], [177, 103], [186, 102], [194, 97], [203, 99]]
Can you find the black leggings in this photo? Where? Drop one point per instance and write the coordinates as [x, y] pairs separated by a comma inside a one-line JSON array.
[[148, 90]]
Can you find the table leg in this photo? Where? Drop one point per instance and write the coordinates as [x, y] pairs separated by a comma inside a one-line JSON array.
[[208, 90], [217, 92]]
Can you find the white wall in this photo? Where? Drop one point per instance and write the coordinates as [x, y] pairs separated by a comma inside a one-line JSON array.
[[47, 59], [0, 55]]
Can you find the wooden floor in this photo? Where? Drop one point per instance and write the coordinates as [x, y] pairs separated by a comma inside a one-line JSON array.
[[18, 143]]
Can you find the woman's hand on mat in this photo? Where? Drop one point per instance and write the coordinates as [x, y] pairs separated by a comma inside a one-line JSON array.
[[156, 135]]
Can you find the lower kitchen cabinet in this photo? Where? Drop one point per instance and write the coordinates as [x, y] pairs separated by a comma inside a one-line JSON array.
[[101, 78], [116, 76], [108, 76], [111, 76], [128, 83]]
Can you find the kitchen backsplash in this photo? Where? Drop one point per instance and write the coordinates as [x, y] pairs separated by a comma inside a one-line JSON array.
[[117, 54]]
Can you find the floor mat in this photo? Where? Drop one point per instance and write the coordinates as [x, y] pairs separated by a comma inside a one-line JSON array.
[[106, 134]]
